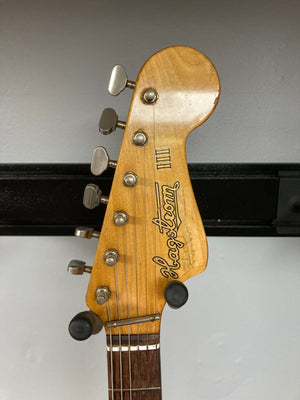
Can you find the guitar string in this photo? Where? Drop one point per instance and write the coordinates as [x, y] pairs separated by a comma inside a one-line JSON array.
[[117, 294], [118, 306], [120, 341], [155, 269], [127, 292], [111, 354], [146, 274], [137, 294]]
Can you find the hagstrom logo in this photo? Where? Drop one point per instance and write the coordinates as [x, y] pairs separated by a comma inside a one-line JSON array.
[[168, 223]]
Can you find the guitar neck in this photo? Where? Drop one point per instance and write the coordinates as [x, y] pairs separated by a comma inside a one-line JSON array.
[[134, 367]]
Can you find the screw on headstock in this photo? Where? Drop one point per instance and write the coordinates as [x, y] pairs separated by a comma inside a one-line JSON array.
[[130, 179], [121, 218], [150, 96], [139, 138], [111, 257], [102, 295]]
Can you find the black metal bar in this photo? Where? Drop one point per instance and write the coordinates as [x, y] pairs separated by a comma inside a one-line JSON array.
[[234, 199]]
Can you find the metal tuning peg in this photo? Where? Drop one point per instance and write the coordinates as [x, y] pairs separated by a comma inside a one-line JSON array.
[[92, 196], [176, 294], [119, 80], [85, 232], [85, 324], [109, 122], [101, 161], [78, 267], [102, 295]]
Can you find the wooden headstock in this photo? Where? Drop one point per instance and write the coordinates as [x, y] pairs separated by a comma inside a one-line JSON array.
[[164, 238]]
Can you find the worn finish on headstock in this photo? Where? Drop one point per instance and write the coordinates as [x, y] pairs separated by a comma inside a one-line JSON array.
[[164, 238]]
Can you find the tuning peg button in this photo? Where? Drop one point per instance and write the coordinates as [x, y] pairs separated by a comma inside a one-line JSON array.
[[119, 80], [85, 232], [101, 161], [109, 121], [85, 324], [176, 294], [78, 267], [92, 196]]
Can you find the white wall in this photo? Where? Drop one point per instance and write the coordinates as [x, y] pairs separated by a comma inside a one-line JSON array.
[[238, 337], [57, 56]]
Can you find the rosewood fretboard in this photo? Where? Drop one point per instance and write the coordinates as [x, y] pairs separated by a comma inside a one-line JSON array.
[[134, 367]]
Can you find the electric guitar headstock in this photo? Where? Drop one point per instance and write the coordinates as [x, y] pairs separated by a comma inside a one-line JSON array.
[[152, 238]]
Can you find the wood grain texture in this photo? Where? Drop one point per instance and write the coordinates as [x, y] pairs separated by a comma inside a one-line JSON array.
[[140, 370], [164, 238]]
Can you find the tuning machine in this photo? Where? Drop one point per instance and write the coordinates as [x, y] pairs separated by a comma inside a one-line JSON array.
[[78, 267], [86, 232], [119, 80], [109, 121], [85, 324], [92, 196], [176, 294], [101, 161]]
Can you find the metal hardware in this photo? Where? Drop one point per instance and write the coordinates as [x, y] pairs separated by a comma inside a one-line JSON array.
[[85, 232], [139, 138], [135, 389], [109, 121], [92, 196], [130, 179], [120, 218], [249, 195], [111, 257], [288, 208], [102, 295], [78, 267], [119, 80], [101, 161], [150, 96], [131, 321]]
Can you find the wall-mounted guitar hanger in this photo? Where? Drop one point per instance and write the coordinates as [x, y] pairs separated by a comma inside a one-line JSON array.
[[233, 199]]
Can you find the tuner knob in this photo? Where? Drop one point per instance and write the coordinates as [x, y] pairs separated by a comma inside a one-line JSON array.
[[109, 121], [78, 267], [85, 324], [101, 161], [176, 294], [119, 80], [85, 232], [92, 196]]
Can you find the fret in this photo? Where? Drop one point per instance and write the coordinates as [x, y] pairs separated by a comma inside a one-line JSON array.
[[136, 395], [135, 389], [140, 359]]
